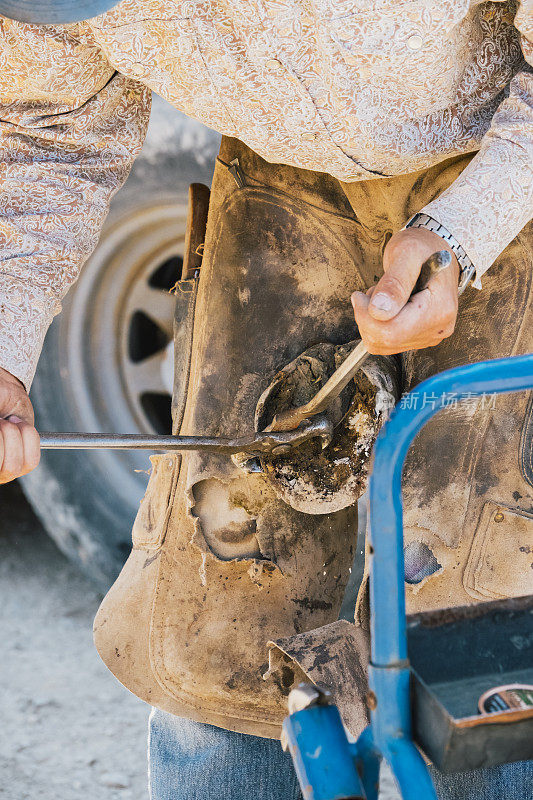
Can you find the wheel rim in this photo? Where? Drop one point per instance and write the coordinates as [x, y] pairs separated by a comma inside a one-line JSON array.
[[146, 340], [117, 341]]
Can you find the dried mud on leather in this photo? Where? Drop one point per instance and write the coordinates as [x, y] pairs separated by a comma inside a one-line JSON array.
[[335, 476]]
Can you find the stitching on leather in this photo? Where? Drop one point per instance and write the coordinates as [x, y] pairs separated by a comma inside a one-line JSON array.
[[473, 581], [526, 444], [184, 390], [156, 542], [293, 198]]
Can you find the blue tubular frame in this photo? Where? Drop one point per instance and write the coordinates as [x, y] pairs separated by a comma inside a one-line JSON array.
[[389, 733], [323, 757]]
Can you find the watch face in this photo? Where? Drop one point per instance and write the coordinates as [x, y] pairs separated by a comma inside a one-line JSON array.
[[49, 12]]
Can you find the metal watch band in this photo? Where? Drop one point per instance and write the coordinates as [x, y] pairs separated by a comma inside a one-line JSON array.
[[467, 269]]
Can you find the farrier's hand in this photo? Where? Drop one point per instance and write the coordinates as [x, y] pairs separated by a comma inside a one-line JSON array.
[[19, 441], [388, 321]]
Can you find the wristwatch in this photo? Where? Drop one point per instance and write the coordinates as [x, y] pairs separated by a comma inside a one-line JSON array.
[[466, 268]]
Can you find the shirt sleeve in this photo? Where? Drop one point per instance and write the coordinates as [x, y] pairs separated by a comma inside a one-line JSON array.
[[70, 128], [491, 201]]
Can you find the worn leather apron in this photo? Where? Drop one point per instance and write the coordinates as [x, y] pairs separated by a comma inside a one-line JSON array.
[[221, 570]]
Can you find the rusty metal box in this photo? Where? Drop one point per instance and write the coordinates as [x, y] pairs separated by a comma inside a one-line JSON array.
[[456, 655]]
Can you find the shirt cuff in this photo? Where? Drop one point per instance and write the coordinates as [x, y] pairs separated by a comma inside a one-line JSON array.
[[25, 316], [487, 206]]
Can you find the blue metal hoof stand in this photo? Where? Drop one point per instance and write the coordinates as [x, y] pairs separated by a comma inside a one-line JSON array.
[[408, 700]]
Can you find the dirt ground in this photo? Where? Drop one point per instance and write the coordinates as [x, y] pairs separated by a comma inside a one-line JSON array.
[[69, 730]]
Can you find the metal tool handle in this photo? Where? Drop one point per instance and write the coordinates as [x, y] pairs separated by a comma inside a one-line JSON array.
[[288, 420], [436, 263], [256, 443], [116, 441]]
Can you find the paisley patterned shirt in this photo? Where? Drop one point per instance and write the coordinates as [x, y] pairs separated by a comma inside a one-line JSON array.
[[356, 88]]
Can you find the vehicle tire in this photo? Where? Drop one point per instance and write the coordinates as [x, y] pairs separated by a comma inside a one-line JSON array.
[[107, 361]]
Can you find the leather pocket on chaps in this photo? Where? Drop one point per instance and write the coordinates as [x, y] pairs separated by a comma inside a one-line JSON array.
[[500, 564], [150, 524]]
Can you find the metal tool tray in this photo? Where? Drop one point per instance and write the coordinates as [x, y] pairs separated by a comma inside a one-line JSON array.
[[457, 654]]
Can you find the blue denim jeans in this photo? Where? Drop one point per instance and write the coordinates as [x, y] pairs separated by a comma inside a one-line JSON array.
[[193, 761]]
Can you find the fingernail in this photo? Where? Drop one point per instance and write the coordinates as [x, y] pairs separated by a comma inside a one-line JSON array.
[[14, 418], [381, 301]]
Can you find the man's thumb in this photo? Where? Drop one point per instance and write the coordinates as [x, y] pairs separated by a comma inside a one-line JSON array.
[[394, 289]]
